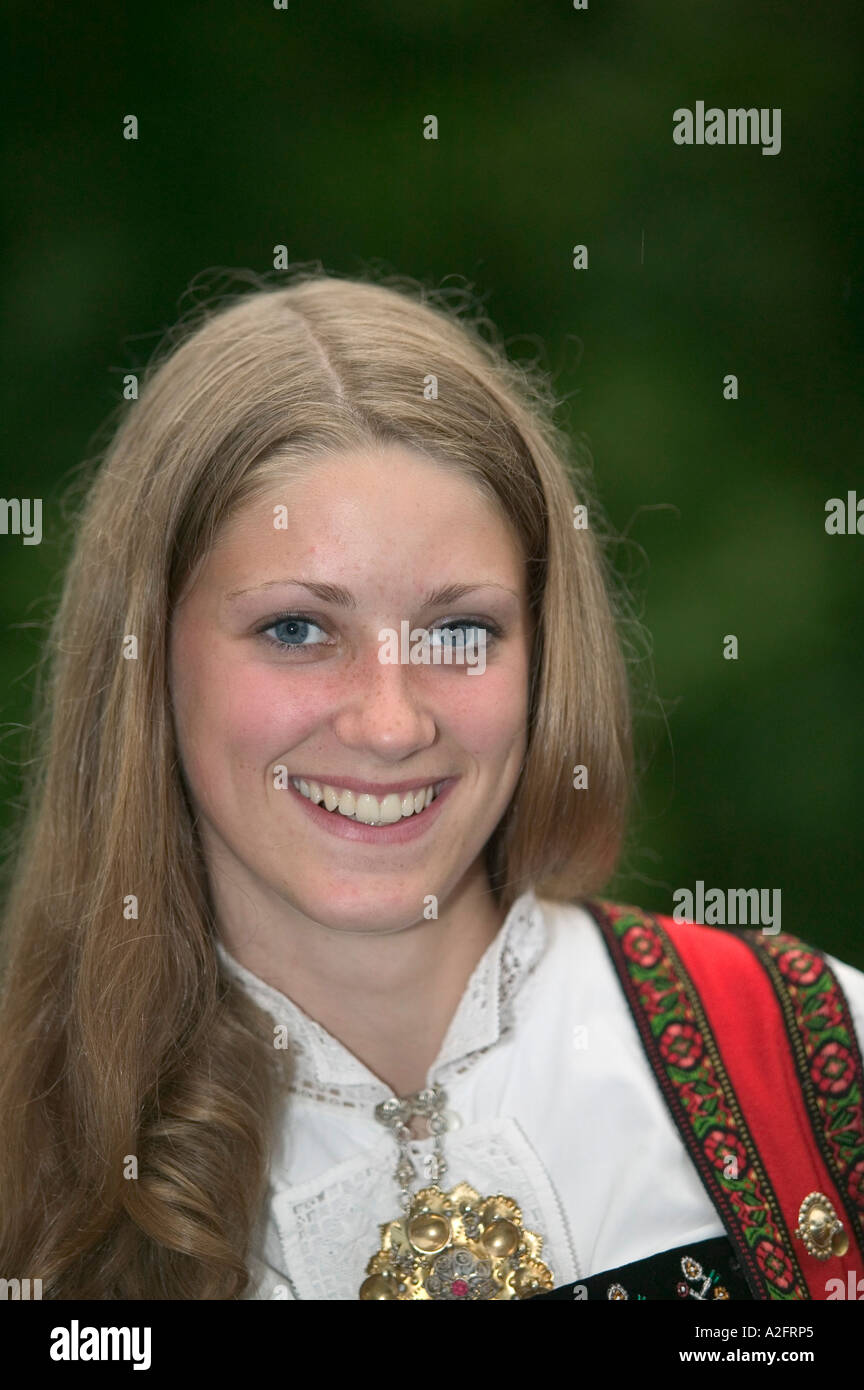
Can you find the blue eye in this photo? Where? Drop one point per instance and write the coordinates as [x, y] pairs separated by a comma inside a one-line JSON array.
[[296, 628]]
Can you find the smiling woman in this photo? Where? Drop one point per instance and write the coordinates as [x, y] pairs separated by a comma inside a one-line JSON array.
[[335, 715], [293, 909]]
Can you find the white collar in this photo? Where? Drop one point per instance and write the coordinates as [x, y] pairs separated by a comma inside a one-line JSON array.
[[483, 1015]]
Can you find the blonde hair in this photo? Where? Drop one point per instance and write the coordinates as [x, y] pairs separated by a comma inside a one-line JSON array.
[[124, 1041]]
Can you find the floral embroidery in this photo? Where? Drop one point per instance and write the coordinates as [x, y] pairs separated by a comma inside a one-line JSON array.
[[722, 1144], [827, 1013], [827, 1058], [800, 967], [703, 1264], [640, 946], [691, 1074], [775, 1262], [681, 1043], [833, 1069], [696, 1283], [654, 1000]]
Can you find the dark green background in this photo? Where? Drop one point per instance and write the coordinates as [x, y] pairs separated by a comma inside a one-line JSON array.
[[304, 127]]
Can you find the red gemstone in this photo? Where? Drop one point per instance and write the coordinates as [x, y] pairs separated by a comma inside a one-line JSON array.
[[459, 1287]]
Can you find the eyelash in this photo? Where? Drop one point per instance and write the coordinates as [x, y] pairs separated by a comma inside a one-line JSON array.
[[494, 632]]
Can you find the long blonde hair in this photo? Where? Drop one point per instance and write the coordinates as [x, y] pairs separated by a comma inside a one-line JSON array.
[[139, 1085]]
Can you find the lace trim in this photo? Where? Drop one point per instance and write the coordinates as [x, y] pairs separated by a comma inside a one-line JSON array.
[[325, 1070], [328, 1231]]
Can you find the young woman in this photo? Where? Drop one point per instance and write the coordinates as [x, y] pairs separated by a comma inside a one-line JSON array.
[[308, 993]]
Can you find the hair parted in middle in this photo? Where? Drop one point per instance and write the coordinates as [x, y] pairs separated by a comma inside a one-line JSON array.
[[327, 365], [124, 1037]]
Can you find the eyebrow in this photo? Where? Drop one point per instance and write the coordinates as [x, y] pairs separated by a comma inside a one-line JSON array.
[[335, 593]]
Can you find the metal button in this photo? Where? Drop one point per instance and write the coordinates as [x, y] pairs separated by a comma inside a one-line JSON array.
[[820, 1228]]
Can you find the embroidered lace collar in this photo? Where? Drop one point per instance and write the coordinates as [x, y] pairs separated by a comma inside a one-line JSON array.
[[483, 1016]]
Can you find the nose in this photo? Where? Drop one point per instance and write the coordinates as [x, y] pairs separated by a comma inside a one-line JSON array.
[[386, 709]]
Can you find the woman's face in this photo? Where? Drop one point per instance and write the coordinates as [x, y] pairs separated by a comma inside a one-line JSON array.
[[276, 675]]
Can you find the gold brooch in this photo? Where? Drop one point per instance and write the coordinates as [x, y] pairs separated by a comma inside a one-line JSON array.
[[820, 1227], [457, 1245]]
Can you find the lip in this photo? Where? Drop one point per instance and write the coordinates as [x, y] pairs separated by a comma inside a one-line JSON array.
[[400, 833]]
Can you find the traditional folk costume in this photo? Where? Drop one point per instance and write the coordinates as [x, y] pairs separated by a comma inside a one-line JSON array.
[[623, 1107]]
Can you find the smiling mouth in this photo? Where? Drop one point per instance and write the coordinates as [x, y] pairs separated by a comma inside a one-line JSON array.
[[364, 807]]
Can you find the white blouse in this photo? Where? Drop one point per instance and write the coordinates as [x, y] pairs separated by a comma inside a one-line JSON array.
[[551, 1101]]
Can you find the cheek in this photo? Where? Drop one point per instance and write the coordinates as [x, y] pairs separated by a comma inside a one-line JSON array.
[[254, 713], [487, 713], [233, 716]]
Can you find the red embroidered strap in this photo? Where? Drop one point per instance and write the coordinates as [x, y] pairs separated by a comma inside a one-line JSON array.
[[827, 1061], [716, 1036], [750, 1014]]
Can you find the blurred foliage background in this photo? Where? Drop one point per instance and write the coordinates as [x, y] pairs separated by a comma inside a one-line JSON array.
[[303, 126]]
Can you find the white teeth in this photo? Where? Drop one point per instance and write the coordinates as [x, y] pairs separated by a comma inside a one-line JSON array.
[[363, 806]]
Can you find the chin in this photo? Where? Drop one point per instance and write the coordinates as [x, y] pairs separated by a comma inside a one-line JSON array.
[[351, 905]]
